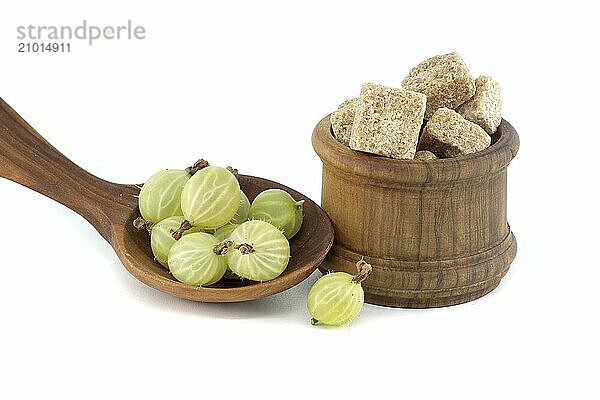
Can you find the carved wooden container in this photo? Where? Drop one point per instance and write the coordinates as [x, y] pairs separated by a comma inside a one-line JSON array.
[[434, 231]]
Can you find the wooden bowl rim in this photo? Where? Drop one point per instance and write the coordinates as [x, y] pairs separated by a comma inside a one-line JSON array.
[[378, 168]]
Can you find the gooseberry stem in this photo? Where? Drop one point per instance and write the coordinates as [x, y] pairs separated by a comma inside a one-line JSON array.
[[198, 165], [314, 321], [234, 171], [299, 203], [140, 223], [245, 248], [364, 269], [222, 248], [185, 225]]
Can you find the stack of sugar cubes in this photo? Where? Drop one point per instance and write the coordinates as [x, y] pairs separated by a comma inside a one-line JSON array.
[[460, 113]]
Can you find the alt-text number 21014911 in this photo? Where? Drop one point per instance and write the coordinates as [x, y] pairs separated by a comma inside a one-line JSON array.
[[44, 47]]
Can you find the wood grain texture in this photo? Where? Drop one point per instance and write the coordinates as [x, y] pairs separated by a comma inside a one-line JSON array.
[[28, 159], [434, 231]]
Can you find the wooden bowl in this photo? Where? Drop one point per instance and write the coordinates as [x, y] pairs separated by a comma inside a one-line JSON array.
[[435, 231]]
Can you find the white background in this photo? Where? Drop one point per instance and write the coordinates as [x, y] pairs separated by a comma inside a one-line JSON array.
[[244, 83]]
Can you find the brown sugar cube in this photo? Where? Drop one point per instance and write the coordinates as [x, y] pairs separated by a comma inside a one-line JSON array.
[[387, 121], [448, 134], [348, 102], [342, 120], [444, 79], [485, 108], [425, 155]]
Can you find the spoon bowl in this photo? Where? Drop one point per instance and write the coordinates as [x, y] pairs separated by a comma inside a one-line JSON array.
[[28, 159]]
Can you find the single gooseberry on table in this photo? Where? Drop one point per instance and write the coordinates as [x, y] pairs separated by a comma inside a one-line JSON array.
[[336, 298]]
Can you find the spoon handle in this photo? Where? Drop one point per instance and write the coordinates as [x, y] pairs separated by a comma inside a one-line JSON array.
[[28, 159]]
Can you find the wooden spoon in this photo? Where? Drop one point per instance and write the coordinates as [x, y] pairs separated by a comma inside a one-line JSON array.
[[28, 159]]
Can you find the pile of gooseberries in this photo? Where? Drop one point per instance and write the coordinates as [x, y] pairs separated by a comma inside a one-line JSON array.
[[203, 227]]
